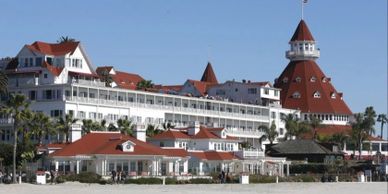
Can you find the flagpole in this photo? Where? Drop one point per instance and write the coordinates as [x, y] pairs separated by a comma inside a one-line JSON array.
[[302, 1]]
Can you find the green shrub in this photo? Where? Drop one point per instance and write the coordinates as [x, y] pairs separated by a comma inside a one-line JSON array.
[[144, 181], [201, 181], [307, 178], [172, 181], [308, 168], [60, 179], [88, 177], [262, 179]]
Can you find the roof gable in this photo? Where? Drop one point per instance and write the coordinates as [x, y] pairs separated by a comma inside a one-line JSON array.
[[209, 75]]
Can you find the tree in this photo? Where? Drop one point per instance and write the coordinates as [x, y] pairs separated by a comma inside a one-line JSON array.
[[370, 120], [89, 125], [270, 132], [144, 84], [41, 126], [152, 130], [339, 138], [382, 119], [3, 83], [167, 126], [358, 133], [106, 77], [16, 107], [314, 123], [125, 126], [64, 39], [65, 124]]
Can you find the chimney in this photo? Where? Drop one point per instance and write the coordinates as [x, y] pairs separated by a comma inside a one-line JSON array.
[[193, 130], [140, 132], [75, 132], [244, 81]]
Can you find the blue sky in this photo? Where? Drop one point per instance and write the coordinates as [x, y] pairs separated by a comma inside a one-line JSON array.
[[169, 41]]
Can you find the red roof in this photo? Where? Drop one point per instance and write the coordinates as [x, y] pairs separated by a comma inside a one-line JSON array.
[[306, 70], [101, 69], [107, 143], [302, 33], [73, 73], [171, 134], [57, 49], [201, 86], [54, 70], [175, 88], [209, 75], [214, 155], [177, 152], [126, 80], [205, 134]]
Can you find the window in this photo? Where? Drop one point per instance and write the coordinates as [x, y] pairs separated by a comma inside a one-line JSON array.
[[276, 92], [47, 95], [81, 114], [298, 79], [384, 147], [375, 147], [50, 60], [32, 95], [56, 113], [266, 91], [285, 80], [332, 95], [317, 94], [296, 95], [313, 79], [273, 115], [281, 131], [45, 75], [38, 61], [236, 90], [252, 91]]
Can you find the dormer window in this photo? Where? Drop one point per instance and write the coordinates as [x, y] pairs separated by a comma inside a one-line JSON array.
[[285, 80], [313, 79], [298, 79], [296, 95], [332, 95], [324, 79], [317, 94], [128, 146]]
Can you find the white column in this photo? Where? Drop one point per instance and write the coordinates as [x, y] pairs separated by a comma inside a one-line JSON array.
[[71, 166], [56, 165], [288, 169], [185, 166], [200, 168], [77, 166], [154, 168], [176, 167]]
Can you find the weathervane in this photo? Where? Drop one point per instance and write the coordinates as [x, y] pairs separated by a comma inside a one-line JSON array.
[[303, 2]]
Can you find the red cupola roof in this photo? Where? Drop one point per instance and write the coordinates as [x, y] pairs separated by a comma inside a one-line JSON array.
[[209, 75], [302, 33], [305, 87]]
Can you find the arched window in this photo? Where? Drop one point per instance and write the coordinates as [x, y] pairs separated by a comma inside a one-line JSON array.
[[324, 79], [298, 79], [296, 95], [317, 94], [313, 79]]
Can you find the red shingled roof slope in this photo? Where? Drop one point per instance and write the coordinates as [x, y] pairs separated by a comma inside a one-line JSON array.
[[170, 134], [54, 70], [307, 103], [209, 75], [302, 32], [214, 155], [57, 49], [106, 143], [127, 80]]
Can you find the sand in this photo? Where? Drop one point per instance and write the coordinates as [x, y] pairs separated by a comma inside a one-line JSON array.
[[283, 188]]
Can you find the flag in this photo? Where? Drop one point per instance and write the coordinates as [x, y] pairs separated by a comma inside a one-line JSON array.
[[305, 1]]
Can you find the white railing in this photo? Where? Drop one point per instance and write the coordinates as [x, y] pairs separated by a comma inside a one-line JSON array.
[[164, 107], [295, 54], [87, 82], [6, 121], [250, 153], [243, 132]]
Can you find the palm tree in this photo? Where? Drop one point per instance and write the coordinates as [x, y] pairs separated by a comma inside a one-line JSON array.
[[41, 125], [125, 126], [144, 84], [290, 125], [382, 118], [65, 125], [87, 126], [339, 138], [152, 130], [64, 39], [270, 132], [314, 123], [167, 126], [370, 120], [16, 107], [358, 134], [3, 83]]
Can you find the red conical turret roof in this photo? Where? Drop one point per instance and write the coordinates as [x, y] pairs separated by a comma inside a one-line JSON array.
[[300, 81], [302, 33], [208, 75]]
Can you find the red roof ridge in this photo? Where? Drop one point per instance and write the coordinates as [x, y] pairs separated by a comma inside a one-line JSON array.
[[54, 48]]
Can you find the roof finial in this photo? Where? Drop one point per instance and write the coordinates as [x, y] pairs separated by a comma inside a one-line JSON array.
[[303, 2], [208, 53]]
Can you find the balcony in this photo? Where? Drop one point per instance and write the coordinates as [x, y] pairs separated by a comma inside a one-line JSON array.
[[6, 121], [95, 83], [302, 54], [235, 132], [247, 153]]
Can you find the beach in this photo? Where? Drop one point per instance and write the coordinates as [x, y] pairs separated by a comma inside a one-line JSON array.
[[283, 188]]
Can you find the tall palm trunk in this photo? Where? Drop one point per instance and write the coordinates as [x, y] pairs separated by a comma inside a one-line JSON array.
[[15, 143], [382, 128]]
